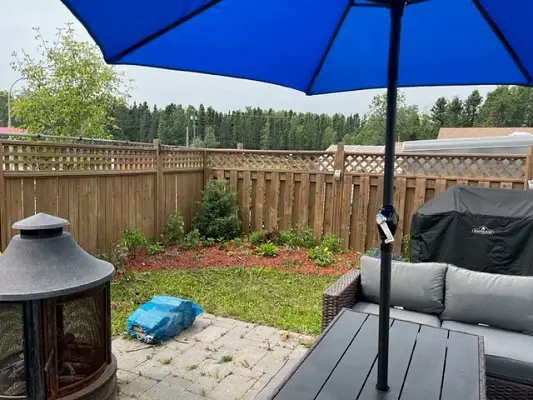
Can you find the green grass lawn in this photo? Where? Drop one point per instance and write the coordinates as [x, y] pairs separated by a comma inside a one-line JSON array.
[[264, 296]]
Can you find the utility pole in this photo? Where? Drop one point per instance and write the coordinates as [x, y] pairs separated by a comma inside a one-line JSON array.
[[193, 119], [9, 104]]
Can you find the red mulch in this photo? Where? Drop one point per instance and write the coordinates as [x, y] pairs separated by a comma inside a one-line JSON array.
[[217, 257]]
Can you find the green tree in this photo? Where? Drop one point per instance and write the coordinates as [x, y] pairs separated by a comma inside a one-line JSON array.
[[165, 131], [210, 139], [455, 112], [3, 108], [329, 138], [265, 136], [70, 90], [438, 111], [471, 108]]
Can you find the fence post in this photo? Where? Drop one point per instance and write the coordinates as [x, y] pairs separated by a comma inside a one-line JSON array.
[[206, 170], [159, 190], [528, 170], [338, 183], [3, 219]]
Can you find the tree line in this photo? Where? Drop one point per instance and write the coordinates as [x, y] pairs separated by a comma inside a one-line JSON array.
[[256, 128], [70, 91]]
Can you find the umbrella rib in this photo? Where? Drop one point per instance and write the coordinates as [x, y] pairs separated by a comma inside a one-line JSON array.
[[328, 47], [503, 40], [117, 57]]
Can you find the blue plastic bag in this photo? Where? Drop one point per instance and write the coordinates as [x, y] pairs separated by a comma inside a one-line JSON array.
[[161, 319]]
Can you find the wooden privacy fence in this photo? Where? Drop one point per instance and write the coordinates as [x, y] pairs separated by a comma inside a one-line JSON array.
[[342, 192], [102, 188]]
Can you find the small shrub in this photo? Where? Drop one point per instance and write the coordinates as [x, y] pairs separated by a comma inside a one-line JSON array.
[[210, 241], [267, 250], [237, 242], [117, 256], [321, 256], [133, 239], [257, 238], [331, 242], [298, 236], [217, 217], [154, 248], [191, 240], [286, 238], [174, 229], [406, 247]]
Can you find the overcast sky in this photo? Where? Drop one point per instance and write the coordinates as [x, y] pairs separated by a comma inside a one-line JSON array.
[[162, 87]]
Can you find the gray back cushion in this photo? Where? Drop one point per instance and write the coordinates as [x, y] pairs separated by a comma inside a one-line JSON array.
[[417, 287], [503, 301]]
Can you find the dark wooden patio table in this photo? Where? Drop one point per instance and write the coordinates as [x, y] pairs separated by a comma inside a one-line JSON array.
[[425, 363]]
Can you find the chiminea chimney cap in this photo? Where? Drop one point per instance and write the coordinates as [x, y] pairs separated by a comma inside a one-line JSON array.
[[40, 222]]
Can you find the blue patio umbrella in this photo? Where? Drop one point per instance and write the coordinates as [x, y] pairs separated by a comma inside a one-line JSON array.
[[326, 46]]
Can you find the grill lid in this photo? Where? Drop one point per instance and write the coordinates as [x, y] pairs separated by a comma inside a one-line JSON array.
[[43, 262]]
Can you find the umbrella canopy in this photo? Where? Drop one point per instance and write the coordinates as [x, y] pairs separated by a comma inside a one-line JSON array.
[[326, 46], [318, 46]]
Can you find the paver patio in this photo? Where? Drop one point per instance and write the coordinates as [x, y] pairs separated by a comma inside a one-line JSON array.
[[216, 358]]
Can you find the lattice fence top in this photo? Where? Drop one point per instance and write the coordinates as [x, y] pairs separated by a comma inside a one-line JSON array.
[[41, 157], [183, 159], [464, 166], [312, 162]]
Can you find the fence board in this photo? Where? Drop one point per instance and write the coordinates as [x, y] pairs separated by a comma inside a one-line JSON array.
[[286, 193], [245, 202], [14, 210], [273, 201], [259, 201], [318, 224], [329, 208], [28, 196], [345, 214], [303, 201], [361, 214], [399, 204], [73, 202]]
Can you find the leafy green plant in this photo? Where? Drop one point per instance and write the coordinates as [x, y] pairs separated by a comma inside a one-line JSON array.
[[174, 229], [331, 242], [321, 256], [298, 236], [257, 238], [406, 246], [191, 240], [268, 249], [133, 239], [154, 248], [210, 241], [117, 256], [218, 215]]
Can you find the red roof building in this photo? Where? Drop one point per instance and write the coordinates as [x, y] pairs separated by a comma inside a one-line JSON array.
[[5, 129]]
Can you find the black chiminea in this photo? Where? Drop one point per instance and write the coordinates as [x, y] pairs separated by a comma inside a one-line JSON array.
[[55, 337]]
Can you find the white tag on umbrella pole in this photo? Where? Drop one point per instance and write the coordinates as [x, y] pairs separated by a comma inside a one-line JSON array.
[[382, 222]]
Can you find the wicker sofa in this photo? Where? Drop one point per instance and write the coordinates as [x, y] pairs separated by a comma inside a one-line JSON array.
[[497, 307]]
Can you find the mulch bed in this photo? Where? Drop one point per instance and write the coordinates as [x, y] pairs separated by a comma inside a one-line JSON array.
[[290, 260]]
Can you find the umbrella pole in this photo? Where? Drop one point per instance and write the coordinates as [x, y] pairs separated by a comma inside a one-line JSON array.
[[387, 217]]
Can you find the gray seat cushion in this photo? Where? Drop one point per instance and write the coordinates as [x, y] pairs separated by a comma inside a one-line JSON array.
[[417, 287], [404, 315], [502, 301], [508, 355]]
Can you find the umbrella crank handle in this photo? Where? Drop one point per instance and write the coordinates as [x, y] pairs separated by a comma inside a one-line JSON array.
[[381, 220]]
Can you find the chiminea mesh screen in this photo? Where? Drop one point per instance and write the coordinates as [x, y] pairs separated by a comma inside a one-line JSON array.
[[81, 341], [12, 377]]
